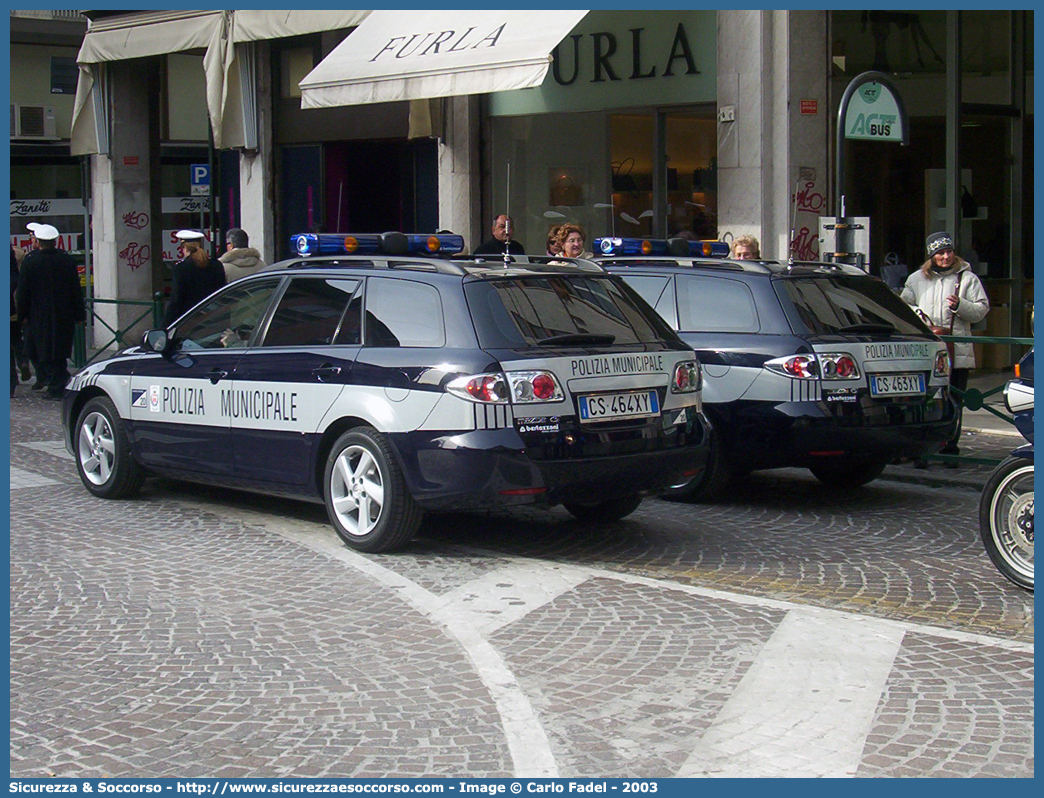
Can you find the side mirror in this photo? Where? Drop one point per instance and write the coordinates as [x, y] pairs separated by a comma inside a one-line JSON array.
[[155, 341]]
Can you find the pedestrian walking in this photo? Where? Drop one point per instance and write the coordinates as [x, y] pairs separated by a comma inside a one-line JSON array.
[[194, 278], [50, 299], [950, 294], [239, 259]]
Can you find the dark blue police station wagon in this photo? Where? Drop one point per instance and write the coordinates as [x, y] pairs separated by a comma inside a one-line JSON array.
[[807, 364], [386, 383]]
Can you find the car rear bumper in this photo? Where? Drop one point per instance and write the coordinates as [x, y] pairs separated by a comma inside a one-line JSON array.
[[496, 468], [799, 434]]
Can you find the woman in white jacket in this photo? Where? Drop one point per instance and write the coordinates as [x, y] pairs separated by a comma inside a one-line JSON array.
[[947, 290]]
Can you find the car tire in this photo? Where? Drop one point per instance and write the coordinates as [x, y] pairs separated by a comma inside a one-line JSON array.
[[710, 482], [604, 512], [366, 497], [103, 456], [848, 473]]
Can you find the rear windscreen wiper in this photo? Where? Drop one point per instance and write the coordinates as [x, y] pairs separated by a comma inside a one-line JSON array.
[[592, 339], [868, 328]]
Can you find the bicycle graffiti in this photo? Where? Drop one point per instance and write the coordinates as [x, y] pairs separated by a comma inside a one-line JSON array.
[[135, 254], [809, 200], [136, 220], [805, 245]]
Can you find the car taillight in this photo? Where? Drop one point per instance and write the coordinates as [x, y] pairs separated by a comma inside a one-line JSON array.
[[534, 386], [942, 364], [687, 377], [802, 367], [838, 366], [487, 388]]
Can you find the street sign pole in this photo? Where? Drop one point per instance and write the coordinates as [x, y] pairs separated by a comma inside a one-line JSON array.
[[871, 110]]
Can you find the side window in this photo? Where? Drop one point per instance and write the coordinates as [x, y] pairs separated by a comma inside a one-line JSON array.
[[716, 304], [658, 292], [310, 312], [649, 288], [403, 313], [229, 318]]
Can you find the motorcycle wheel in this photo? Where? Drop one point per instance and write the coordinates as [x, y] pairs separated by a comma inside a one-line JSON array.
[[1006, 520]]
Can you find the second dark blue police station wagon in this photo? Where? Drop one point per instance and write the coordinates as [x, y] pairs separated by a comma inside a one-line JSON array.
[[807, 364], [386, 383]]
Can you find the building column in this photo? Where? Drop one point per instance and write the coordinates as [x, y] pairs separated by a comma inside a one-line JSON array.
[[772, 127], [256, 174], [459, 170], [127, 252]]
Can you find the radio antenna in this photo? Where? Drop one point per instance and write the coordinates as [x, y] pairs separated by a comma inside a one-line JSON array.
[[507, 218]]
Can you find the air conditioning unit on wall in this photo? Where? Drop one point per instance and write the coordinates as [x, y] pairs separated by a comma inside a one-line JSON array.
[[33, 122]]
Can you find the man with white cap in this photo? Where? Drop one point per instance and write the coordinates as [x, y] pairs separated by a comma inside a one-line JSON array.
[[194, 278], [50, 299]]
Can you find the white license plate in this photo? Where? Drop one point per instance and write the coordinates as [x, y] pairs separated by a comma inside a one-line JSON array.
[[608, 406], [896, 384]]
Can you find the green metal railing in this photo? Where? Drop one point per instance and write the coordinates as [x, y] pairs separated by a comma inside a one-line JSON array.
[[974, 399], [80, 358]]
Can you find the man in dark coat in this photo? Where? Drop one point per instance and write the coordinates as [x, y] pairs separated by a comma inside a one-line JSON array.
[[50, 298], [502, 229]]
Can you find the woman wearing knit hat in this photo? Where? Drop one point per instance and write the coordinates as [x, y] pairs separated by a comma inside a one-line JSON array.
[[950, 294]]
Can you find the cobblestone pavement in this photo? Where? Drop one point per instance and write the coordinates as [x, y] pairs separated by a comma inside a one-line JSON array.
[[787, 630]]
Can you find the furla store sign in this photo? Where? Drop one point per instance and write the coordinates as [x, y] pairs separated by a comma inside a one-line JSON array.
[[619, 59]]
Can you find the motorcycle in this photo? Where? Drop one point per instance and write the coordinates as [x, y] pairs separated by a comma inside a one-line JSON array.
[[1006, 505]]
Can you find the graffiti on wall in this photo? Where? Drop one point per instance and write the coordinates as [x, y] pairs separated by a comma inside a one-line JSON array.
[[809, 205], [135, 255], [136, 220]]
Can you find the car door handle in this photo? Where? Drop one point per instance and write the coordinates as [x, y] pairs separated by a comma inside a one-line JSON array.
[[216, 375], [326, 371]]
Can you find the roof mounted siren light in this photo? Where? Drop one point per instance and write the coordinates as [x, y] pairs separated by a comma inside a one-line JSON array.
[[391, 243], [678, 247]]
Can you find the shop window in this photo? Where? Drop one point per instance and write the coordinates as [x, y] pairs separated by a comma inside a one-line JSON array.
[[294, 65]]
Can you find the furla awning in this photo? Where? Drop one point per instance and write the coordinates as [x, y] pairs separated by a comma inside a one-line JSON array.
[[416, 55]]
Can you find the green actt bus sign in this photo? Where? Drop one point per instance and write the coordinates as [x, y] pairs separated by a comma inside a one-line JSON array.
[[873, 114]]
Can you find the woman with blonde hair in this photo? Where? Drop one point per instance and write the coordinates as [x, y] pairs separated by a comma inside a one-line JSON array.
[[193, 279], [746, 248]]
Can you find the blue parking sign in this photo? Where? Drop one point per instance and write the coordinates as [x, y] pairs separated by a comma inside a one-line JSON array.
[[199, 179]]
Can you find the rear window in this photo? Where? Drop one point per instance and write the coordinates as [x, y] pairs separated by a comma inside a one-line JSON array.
[[523, 311], [832, 305]]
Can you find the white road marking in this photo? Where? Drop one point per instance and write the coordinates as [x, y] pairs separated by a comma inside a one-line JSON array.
[[20, 478], [525, 736], [807, 703], [507, 594]]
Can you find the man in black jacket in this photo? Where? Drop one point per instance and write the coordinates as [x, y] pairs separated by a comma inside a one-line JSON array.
[[49, 297], [503, 228]]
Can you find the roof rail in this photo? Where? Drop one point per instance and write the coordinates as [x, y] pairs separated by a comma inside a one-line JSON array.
[[410, 264]]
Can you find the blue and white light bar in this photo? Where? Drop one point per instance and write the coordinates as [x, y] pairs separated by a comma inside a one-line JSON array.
[[418, 244], [659, 246]]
